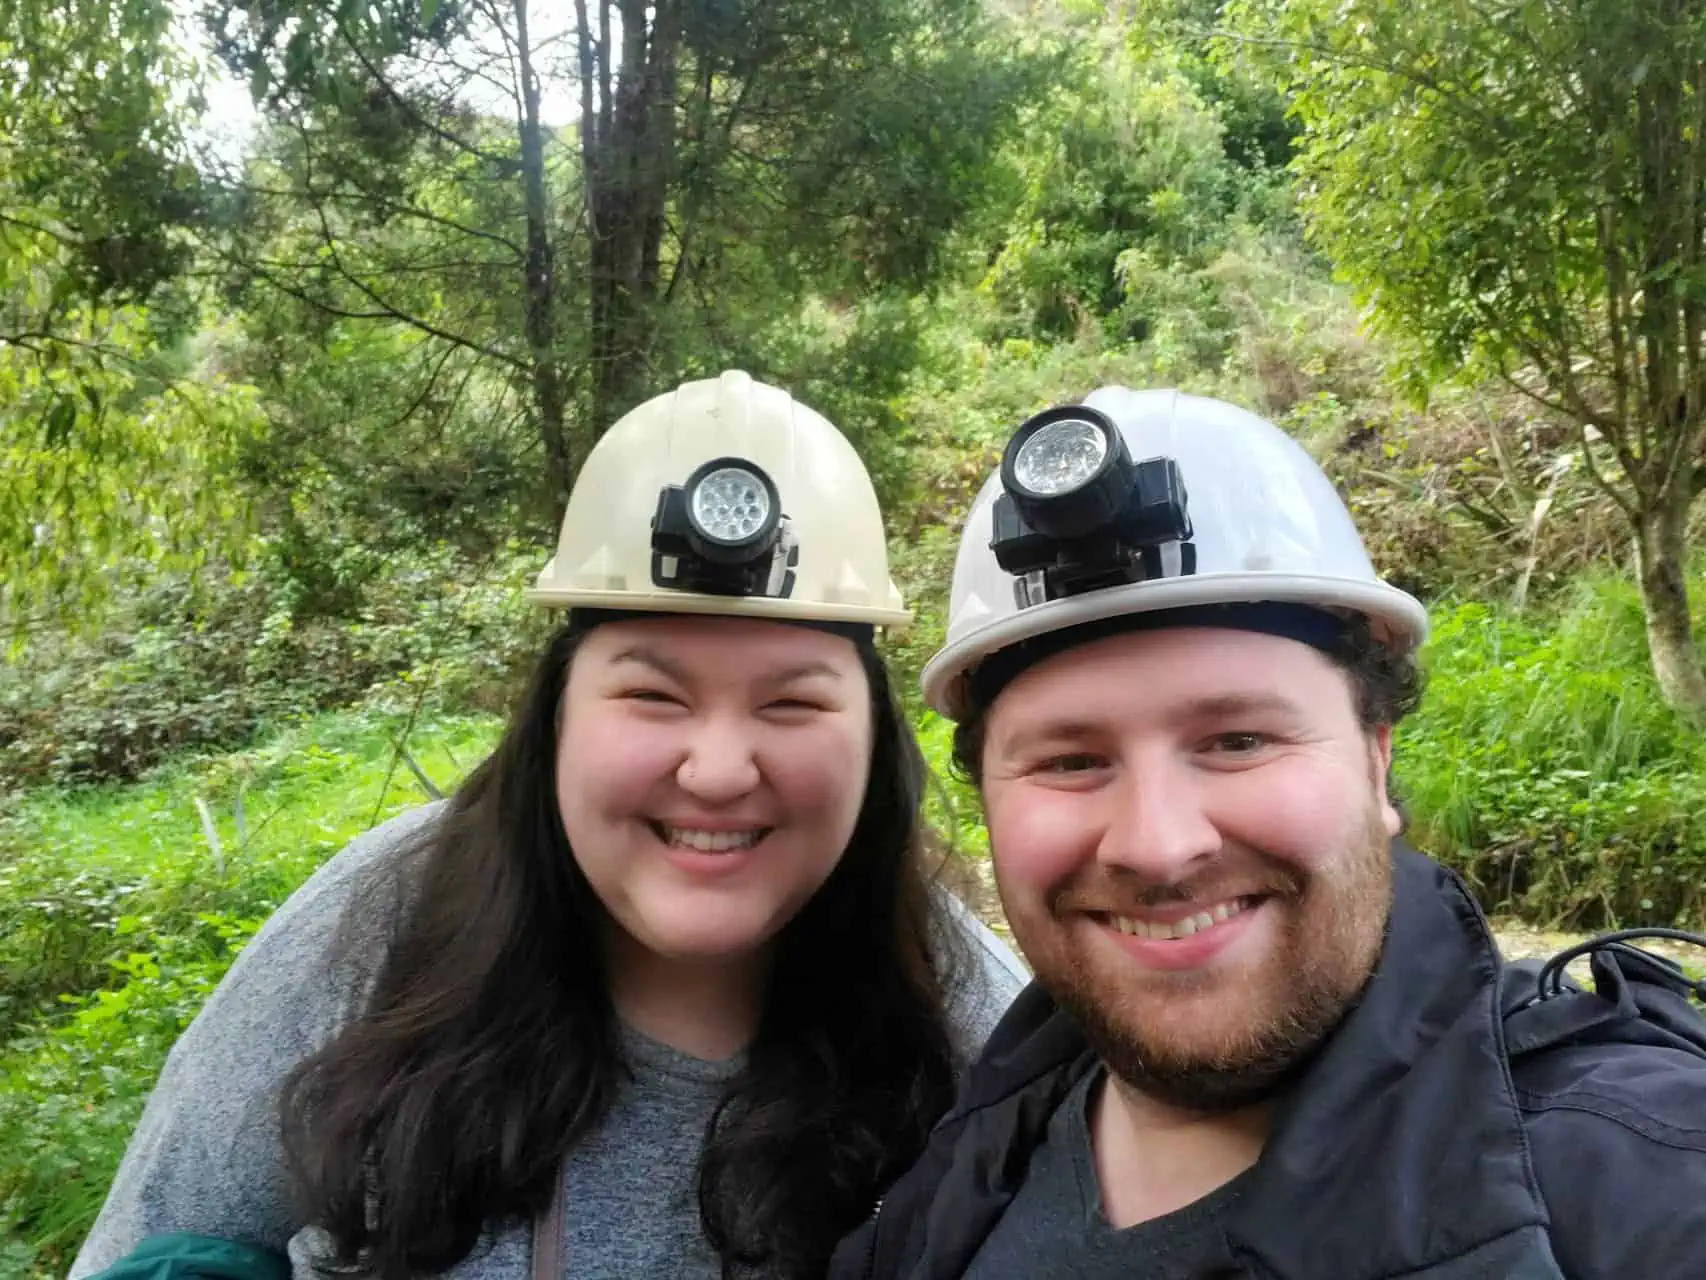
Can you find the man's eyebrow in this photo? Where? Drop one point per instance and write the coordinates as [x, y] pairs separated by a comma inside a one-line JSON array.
[[1234, 704], [1061, 730], [1215, 706]]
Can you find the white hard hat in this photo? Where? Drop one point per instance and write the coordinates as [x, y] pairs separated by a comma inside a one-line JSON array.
[[1243, 515], [725, 496]]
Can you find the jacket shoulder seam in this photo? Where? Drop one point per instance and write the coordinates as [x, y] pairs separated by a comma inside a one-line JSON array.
[[1615, 1110]]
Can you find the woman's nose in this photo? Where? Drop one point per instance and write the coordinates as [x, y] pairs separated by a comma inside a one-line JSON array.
[[720, 765]]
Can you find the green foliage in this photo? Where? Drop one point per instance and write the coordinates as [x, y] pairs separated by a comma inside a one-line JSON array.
[[853, 156], [194, 666], [953, 807], [1458, 163], [1517, 190], [1119, 184], [91, 153], [71, 1096], [117, 918], [110, 457], [112, 437], [378, 442], [1545, 764]]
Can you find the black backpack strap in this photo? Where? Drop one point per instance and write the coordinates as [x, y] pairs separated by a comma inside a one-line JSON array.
[[1637, 997], [1638, 963]]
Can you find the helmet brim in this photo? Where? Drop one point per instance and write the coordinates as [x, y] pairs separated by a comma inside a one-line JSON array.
[[1397, 619], [892, 620]]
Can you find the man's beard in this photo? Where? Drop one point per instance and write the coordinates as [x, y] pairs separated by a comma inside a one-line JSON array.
[[1328, 943]]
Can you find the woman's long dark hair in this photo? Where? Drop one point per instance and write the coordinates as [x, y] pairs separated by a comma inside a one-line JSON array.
[[489, 1044]]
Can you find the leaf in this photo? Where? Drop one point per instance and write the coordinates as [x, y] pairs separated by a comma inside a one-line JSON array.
[[429, 11], [60, 419], [299, 57]]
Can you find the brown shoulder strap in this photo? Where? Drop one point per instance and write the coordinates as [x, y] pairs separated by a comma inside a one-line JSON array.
[[548, 1236]]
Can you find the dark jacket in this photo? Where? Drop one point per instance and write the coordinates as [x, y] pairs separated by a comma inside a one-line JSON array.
[[1454, 1126]]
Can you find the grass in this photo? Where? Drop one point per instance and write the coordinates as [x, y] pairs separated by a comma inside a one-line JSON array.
[[1545, 765], [117, 919]]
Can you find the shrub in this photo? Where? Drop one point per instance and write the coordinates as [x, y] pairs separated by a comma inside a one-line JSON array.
[[198, 667], [118, 916], [72, 1090], [1544, 765]]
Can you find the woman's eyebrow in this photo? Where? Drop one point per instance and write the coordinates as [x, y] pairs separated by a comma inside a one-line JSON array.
[[642, 656], [802, 671]]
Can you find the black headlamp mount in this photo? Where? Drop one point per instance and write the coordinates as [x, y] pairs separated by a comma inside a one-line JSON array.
[[1077, 514], [723, 532]]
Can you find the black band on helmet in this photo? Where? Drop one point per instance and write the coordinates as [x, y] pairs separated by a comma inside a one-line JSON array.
[[863, 634], [1306, 623]]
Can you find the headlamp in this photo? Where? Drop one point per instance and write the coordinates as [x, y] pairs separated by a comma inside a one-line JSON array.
[[731, 511], [723, 532], [1078, 514], [1068, 471], [1060, 456]]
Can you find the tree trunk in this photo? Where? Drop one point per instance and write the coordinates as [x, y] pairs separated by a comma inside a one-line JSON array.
[[627, 153], [541, 273], [1661, 552]]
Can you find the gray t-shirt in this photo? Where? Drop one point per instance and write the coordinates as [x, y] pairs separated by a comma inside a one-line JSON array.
[[206, 1156], [1055, 1225]]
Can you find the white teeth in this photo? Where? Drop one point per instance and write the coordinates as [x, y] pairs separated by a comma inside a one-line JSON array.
[[713, 841], [1193, 924]]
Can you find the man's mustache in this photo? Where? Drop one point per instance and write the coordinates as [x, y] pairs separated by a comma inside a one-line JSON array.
[[1117, 891]]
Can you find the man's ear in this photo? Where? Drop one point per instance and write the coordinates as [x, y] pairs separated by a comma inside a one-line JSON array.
[[1380, 773]]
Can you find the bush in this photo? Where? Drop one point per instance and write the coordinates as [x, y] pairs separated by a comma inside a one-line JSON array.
[[1545, 766], [199, 667], [118, 916], [71, 1091]]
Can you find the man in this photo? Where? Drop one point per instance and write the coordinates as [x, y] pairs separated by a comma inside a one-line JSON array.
[[1266, 1038]]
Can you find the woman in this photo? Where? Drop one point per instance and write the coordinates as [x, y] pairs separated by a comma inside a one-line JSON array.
[[665, 988]]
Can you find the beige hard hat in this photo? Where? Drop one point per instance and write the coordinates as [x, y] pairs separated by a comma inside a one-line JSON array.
[[725, 496]]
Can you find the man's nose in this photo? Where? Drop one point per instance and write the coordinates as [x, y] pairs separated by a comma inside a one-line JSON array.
[[1159, 828]]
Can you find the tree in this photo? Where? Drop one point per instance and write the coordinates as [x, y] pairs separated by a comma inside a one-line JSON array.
[[110, 436], [1521, 186], [802, 144]]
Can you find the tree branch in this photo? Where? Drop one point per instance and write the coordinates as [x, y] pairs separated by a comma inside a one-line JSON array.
[[396, 313], [1598, 477], [503, 164], [382, 205], [384, 311]]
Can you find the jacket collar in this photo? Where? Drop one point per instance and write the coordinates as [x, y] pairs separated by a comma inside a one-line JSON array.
[[1400, 1146]]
